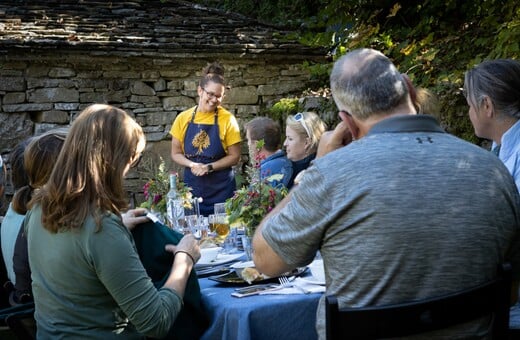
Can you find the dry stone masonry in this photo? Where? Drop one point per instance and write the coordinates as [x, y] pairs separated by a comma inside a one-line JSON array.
[[145, 56]]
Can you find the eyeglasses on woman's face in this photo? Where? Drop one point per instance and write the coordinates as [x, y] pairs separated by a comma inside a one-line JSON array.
[[299, 118], [213, 95]]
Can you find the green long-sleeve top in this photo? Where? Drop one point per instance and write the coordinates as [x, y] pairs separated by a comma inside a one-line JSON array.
[[89, 284]]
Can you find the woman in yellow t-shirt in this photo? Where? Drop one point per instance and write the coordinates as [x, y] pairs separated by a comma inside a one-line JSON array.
[[206, 141]]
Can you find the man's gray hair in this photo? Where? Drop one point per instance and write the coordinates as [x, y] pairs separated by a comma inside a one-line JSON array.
[[367, 82], [499, 80]]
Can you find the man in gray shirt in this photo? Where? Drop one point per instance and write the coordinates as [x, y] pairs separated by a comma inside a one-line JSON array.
[[403, 212]]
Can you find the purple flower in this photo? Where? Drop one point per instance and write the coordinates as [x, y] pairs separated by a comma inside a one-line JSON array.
[[156, 198]]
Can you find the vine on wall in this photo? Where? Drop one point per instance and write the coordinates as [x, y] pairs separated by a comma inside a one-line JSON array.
[[433, 41]]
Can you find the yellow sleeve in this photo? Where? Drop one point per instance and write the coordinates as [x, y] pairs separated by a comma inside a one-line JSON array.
[[229, 128], [180, 124]]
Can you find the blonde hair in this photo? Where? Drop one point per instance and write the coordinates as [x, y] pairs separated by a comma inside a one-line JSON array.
[[87, 179], [426, 103], [309, 126]]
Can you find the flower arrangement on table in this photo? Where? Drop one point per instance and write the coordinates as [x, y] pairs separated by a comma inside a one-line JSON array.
[[252, 202], [156, 190]]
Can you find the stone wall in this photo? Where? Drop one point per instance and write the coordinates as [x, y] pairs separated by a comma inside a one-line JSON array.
[[40, 91]]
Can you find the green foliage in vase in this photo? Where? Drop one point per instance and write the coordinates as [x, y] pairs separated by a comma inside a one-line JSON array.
[[157, 187], [252, 202]]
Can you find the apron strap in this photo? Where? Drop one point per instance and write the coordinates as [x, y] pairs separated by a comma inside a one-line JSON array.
[[193, 114], [195, 111]]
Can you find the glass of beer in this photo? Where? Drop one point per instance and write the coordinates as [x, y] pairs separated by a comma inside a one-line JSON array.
[[219, 225]]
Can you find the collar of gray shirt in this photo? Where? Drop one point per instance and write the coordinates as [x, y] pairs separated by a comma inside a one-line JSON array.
[[407, 123]]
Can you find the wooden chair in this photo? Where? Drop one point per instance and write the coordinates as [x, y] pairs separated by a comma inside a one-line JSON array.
[[425, 315]]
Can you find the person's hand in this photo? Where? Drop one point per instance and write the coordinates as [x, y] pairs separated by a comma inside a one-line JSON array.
[[335, 139], [189, 245], [133, 217], [186, 254], [199, 169]]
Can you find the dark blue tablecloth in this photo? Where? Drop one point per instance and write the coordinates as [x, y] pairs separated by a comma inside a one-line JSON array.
[[257, 317], [514, 316]]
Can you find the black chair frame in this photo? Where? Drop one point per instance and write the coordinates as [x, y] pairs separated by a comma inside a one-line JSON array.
[[491, 298], [14, 318]]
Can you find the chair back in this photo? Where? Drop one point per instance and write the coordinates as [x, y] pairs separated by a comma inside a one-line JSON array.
[[20, 320], [398, 320]]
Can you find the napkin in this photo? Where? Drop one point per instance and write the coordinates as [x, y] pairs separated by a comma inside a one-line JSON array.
[[311, 287]]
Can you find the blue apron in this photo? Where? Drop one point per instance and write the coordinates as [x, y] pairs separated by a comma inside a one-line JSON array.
[[202, 145]]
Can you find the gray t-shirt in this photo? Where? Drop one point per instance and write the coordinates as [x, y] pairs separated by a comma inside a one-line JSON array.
[[405, 213]]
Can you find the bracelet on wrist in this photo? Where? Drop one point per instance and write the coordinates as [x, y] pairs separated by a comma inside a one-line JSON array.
[[185, 252]]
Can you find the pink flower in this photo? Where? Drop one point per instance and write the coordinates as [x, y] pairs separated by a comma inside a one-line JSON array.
[[146, 187]]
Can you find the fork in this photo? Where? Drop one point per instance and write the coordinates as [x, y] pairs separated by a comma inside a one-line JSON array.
[[287, 283]]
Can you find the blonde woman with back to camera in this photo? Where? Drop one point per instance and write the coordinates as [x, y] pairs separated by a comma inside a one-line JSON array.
[[302, 136], [88, 281]]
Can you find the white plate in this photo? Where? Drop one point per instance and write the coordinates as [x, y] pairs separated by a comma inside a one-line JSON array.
[[243, 264], [221, 259], [312, 280]]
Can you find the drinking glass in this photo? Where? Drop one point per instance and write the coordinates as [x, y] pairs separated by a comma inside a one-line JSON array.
[[191, 207], [219, 225], [198, 226], [175, 214], [219, 208], [246, 244], [229, 245], [212, 221], [204, 226], [192, 222]]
